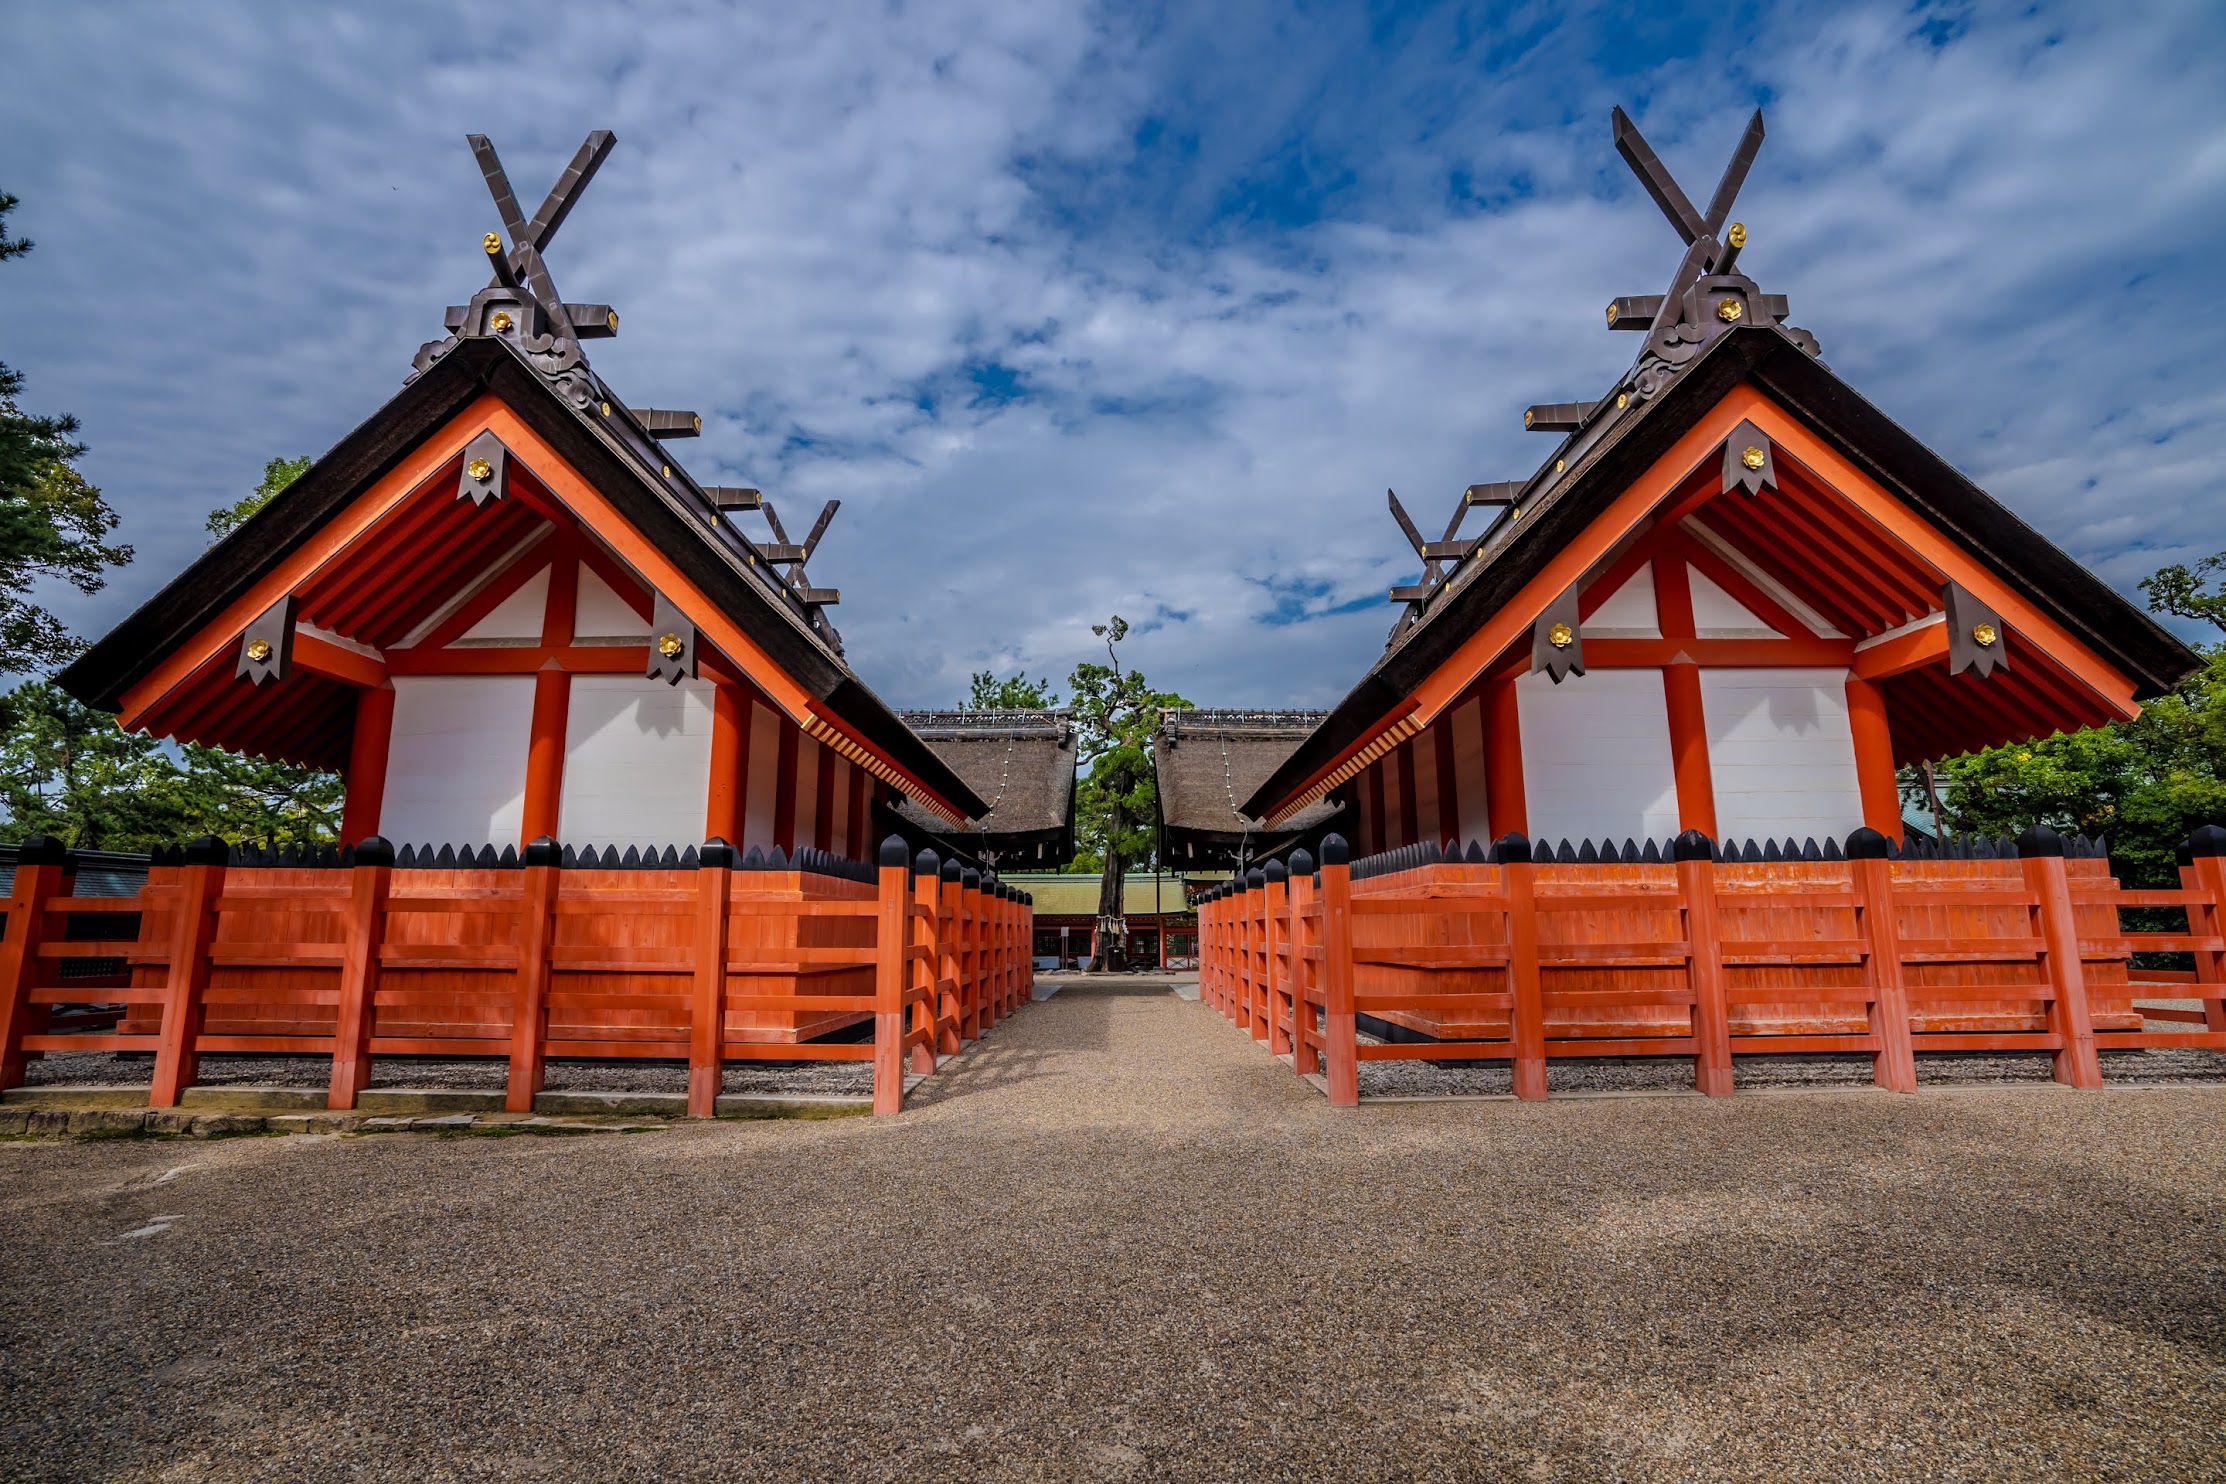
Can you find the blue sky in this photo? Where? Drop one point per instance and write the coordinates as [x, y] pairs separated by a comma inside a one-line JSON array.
[[1082, 309]]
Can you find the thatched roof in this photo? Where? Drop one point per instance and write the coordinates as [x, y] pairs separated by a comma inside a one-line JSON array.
[[1210, 762], [1020, 762]]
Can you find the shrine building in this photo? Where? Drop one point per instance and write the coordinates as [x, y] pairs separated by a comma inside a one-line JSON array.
[[1733, 597], [503, 609]]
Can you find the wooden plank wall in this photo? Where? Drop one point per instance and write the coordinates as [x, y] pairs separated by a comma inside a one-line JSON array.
[[1697, 958], [520, 963]]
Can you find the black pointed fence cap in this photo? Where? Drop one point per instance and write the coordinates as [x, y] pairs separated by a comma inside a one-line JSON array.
[[927, 863], [970, 878], [544, 852], [208, 850], [952, 870], [1692, 846], [2039, 842], [375, 851], [1511, 848], [715, 854], [894, 852], [1335, 852], [2208, 840], [1278, 873], [1302, 862], [42, 850], [1867, 844], [1254, 879]]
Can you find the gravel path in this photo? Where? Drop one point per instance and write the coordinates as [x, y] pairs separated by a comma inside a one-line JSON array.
[[1119, 1241]]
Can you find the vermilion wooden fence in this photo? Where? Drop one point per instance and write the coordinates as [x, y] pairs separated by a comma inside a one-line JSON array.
[[1521, 956], [717, 960]]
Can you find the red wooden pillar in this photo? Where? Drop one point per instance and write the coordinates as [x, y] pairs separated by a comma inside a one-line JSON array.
[[1894, 1064], [177, 1050], [1526, 1015], [2206, 873], [892, 956], [2041, 853], [1340, 1029], [1306, 1055], [946, 996], [1504, 798], [707, 1008], [784, 787], [1696, 876], [529, 1017], [1275, 939], [727, 804], [552, 707], [362, 935], [41, 870], [1874, 756], [368, 746], [1688, 733]]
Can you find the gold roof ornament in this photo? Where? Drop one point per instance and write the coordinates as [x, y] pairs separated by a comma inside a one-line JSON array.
[[259, 650], [480, 470], [1737, 236], [1561, 636], [501, 321], [491, 242], [1753, 458], [1984, 635], [1729, 311], [669, 645]]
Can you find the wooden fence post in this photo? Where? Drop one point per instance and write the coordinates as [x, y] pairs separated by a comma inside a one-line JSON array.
[[177, 1050], [1696, 876], [1340, 1031], [2040, 852], [1526, 1016], [946, 994], [1894, 1065], [370, 882], [707, 1011], [2206, 873], [1306, 1057], [41, 865], [1275, 939], [892, 956], [529, 1021]]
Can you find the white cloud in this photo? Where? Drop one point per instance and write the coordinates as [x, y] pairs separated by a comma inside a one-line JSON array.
[[819, 217]]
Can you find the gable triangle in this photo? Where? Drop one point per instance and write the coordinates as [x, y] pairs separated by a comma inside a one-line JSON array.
[[517, 617], [1629, 611], [602, 613], [1719, 615]]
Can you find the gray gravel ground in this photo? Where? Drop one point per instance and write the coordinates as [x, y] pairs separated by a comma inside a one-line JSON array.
[[1120, 1241], [107, 1069]]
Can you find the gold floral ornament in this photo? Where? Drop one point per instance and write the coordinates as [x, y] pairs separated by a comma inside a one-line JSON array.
[[1561, 636], [259, 650], [1729, 311], [1737, 236], [1984, 635], [1752, 458], [669, 645], [480, 470], [491, 242], [501, 321], [1622, 400]]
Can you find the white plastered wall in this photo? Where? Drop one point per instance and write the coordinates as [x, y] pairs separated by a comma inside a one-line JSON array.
[[1596, 757], [637, 761], [1629, 612], [1781, 753], [456, 767]]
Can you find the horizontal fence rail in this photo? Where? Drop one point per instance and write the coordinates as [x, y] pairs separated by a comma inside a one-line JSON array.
[[706, 955], [1523, 953]]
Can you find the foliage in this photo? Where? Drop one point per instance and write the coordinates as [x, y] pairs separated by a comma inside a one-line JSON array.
[[1117, 802], [1013, 693], [52, 523], [277, 474], [2142, 784], [69, 771]]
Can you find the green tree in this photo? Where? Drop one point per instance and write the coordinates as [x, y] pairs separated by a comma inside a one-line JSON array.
[[277, 474], [52, 523], [2142, 784], [1013, 693], [1117, 803], [69, 771]]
